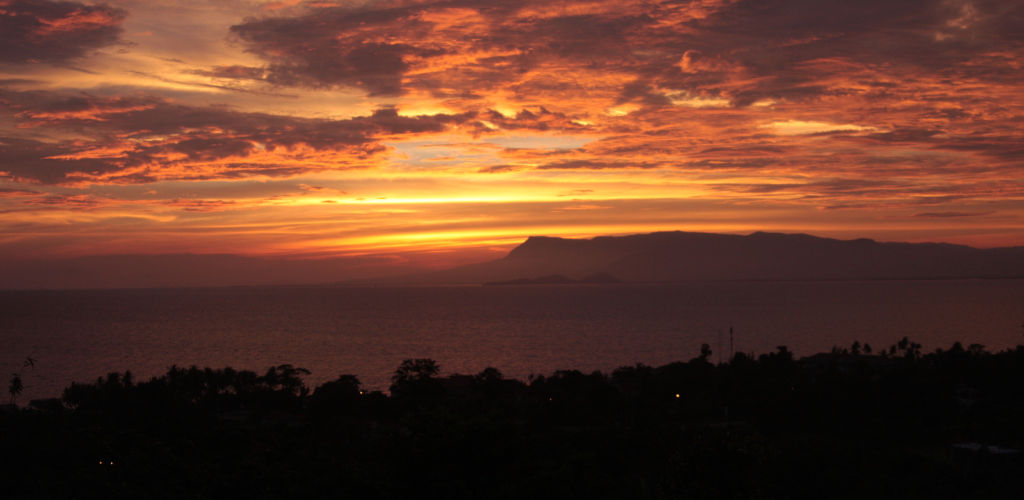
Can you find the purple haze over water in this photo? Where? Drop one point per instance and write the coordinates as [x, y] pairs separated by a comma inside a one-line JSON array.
[[368, 331]]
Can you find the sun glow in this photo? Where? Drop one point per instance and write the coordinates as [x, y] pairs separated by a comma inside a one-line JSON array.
[[318, 128]]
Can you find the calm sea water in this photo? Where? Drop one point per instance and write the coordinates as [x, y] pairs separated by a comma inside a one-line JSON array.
[[368, 331]]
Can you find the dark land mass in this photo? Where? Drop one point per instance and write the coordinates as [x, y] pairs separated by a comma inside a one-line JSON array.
[[847, 424], [682, 256], [654, 257], [558, 279]]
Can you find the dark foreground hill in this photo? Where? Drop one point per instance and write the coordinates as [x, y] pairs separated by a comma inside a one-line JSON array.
[[682, 256], [846, 424]]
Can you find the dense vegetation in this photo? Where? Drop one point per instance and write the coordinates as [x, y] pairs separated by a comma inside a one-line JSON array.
[[847, 424]]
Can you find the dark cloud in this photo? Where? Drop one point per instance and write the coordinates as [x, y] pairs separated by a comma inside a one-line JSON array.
[[853, 185], [745, 150], [34, 161], [793, 46], [232, 88], [78, 201], [843, 187], [903, 135], [43, 31], [731, 163], [946, 215], [7, 82], [861, 193], [192, 205], [799, 47], [332, 46], [370, 46], [757, 188], [236, 72], [11, 192], [500, 168], [595, 165], [643, 92], [577, 192], [539, 119], [143, 138], [1004, 145], [780, 49]]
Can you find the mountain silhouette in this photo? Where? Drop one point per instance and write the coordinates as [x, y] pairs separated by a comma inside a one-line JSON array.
[[654, 257], [681, 256]]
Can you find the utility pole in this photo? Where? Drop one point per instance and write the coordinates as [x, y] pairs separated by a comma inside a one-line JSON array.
[[732, 351], [719, 346]]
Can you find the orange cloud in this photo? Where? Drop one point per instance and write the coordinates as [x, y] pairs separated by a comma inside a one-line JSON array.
[[333, 128]]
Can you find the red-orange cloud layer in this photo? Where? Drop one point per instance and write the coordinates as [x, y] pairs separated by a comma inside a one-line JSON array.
[[432, 126]]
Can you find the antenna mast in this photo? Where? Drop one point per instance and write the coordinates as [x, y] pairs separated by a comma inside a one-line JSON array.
[[732, 351]]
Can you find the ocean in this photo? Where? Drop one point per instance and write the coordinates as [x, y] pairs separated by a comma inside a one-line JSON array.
[[521, 330]]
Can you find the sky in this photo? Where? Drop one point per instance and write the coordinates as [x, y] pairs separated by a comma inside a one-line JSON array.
[[434, 133]]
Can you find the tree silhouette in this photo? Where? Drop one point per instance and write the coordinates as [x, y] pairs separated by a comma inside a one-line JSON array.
[[287, 378], [15, 387], [416, 377], [412, 370], [339, 394], [490, 375], [770, 427], [705, 352]]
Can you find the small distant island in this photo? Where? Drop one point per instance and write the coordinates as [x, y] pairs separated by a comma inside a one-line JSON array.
[[558, 279]]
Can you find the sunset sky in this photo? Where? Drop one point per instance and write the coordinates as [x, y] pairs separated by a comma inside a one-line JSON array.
[[442, 132]]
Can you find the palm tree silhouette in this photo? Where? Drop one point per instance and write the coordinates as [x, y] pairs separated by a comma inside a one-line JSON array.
[[15, 387]]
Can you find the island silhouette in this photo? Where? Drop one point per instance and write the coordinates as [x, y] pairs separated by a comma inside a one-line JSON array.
[[654, 257], [685, 256]]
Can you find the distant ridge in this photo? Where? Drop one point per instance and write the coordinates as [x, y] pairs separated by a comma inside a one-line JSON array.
[[653, 257], [685, 256], [558, 279]]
